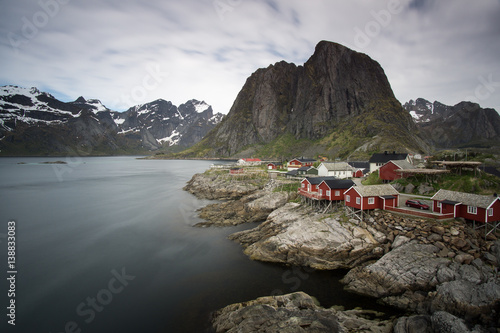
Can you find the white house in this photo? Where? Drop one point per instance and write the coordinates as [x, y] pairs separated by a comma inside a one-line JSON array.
[[340, 170]]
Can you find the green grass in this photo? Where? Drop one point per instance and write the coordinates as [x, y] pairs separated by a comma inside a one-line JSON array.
[[372, 179], [482, 183]]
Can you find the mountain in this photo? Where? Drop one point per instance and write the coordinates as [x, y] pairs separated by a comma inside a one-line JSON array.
[[338, 101], [36, 123], [465, 124]]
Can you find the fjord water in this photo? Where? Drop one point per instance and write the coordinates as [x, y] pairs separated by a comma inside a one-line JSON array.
[[107, 244]]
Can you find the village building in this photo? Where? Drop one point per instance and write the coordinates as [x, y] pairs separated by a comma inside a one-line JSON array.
[[362, 168], [297, 163], [309, 187], [371, 197], [389, 171], [249, 161], [377, 160], [307, 170], [474, 207], [274, 165], [340, 170], [333, 189]]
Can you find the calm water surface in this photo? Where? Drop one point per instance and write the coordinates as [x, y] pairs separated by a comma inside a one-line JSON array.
[[107, 244]]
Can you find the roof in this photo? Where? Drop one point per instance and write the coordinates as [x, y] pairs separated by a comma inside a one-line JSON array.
[[360, 165], [376, 190], [318, 180], [303, 160], [252, 159], [275, 163], [339, 183], [402, 164], [469, 199], [337, 166], [306, 168], [386, 157], [293, 172]]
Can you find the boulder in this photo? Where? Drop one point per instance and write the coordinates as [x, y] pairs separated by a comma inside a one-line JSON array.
[[409, 188], [296, 312], [327, 244], [411, 266]]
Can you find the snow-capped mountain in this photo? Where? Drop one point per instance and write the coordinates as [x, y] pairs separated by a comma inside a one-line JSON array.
[[35, 122], [465, 124]]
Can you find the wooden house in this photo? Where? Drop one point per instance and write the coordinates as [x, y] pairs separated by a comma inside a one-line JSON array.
[[377, 160], [340, 170], [249, 161], [307, 170], [309, 187], [371, 197], [474, 207], [388, 171], [297, 163], [333, 189], [274, 165]]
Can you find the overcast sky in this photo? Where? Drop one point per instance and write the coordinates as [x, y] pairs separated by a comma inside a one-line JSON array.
[[129, 52]]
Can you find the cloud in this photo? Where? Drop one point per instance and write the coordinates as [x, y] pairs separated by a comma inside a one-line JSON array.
[[205, 49]]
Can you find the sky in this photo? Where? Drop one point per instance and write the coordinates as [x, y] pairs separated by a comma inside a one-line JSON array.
[[130, 52]]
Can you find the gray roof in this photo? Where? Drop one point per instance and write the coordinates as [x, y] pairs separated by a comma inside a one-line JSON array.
[[469, 199], [338, 166], [386, 157], [403, 164], [376, 190]]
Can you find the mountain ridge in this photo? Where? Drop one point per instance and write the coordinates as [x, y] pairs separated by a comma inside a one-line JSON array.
[[36, 123], [465, 124]]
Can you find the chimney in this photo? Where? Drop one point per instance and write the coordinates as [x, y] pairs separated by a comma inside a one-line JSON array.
[[385, 152]]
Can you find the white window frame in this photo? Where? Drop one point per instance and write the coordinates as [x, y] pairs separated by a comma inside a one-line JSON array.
[[320, 192], [371, 201], [439, 204], [348, 198], [358, 201], [490, 212], [472, 210], [337, 193], [327, 193]]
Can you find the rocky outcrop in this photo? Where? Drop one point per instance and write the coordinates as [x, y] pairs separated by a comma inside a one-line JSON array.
[[296, 312], [219, 186], [254, 207], [247, 200], [413, 277], [327, 244]]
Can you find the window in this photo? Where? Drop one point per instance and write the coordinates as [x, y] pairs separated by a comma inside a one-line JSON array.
[[327, 193], [348, 198], [358, 201], [337, 193], [320, 192], [472, 210], [371, 201], [303, 185], [439, 204], [490, 212]]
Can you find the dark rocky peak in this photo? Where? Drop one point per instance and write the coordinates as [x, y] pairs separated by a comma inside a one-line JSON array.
[[80, 100]]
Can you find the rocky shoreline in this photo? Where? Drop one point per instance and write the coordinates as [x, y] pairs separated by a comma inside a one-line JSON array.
[[444, 274]]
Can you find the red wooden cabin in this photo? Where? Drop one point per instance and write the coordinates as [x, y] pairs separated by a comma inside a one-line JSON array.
[[474, 207], [333, 189], [371, 197]]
